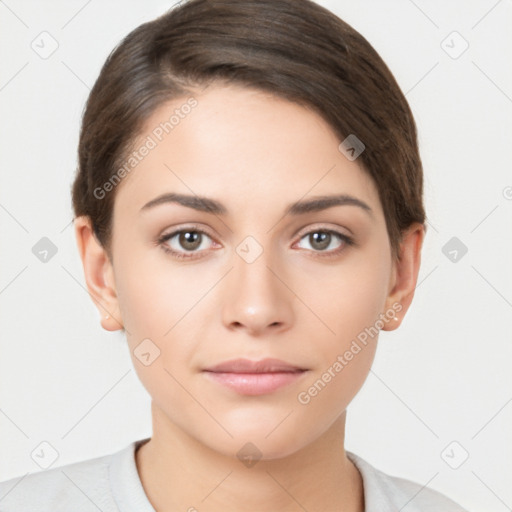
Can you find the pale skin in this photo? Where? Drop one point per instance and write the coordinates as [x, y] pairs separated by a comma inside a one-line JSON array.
[[255, 154]]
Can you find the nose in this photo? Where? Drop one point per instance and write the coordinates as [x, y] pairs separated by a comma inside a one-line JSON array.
[[257, 298]]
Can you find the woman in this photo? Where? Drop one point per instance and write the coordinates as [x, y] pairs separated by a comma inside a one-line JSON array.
[[248, 211]]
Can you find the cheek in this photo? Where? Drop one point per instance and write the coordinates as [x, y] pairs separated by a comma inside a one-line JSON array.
[[154, 294], [350, 306], [347, 298], [162, 309], [161, 332], [350, 302]]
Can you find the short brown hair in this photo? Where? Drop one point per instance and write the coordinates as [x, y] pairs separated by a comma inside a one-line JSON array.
[[295, 49]]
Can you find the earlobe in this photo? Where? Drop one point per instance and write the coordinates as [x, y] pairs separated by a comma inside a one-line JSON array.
[[98, 272], [405, 274]]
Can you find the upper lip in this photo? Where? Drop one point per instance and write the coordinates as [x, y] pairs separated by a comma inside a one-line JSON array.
[[268, 365]]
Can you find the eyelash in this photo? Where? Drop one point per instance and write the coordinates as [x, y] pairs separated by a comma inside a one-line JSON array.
[[347, 241]]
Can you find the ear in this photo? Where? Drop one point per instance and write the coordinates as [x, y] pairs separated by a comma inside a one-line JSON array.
[[99, 274], [405, 275]]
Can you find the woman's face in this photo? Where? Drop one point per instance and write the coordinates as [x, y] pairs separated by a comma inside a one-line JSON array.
[[251, 280]]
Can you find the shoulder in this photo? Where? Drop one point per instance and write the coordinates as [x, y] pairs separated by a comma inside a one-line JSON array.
[[385, 493], [82, 487]]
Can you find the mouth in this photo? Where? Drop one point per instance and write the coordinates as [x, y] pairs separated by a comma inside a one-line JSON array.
[[248, 377]]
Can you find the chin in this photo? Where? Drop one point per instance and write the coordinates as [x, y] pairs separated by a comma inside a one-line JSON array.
[[258, 441]]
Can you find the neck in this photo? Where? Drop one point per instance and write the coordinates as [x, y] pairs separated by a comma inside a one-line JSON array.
[[180, 473]]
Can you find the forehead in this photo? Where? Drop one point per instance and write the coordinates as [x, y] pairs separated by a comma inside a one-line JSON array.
[[247, 147]]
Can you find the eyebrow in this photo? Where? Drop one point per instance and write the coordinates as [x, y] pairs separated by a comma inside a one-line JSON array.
[[205, 204]]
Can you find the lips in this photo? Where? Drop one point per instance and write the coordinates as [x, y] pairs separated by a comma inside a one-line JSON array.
[[268, 365], [247, 377]]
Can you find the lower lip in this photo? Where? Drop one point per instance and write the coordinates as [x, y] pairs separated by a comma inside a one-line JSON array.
[[255, 383]]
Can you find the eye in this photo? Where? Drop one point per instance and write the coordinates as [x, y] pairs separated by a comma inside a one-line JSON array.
[[183, 241], [187, 243], [321, 239]]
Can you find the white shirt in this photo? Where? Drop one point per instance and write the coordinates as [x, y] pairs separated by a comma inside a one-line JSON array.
[[111, 483]]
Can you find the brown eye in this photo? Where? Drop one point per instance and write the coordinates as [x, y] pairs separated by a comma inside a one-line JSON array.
[[189, 240], [320, 240], [324, 241], [184, 243]]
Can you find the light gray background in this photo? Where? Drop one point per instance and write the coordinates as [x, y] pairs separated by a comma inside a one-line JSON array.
[[444, 376]]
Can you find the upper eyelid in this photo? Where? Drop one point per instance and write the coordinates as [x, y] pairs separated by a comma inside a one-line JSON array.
[[198, 228], [319, 227], [192, 227]]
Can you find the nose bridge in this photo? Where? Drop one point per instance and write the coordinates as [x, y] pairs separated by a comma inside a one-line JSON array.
[[252, 276], [252, 265], [257, 298]]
